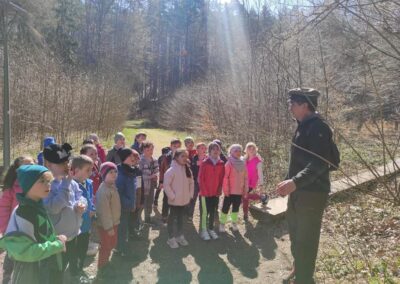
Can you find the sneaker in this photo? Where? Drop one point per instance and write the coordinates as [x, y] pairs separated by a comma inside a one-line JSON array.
[[213, 234], [172, 243], [182, 241], [204, 235], [234, 227], [222, 228]]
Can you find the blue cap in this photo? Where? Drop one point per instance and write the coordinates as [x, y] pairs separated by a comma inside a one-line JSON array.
[[48, 141]]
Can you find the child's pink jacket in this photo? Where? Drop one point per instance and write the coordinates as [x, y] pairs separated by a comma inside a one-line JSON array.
[[8, 202], [235, 182]]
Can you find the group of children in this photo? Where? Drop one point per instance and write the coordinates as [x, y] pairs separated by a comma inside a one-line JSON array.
[[47, 211]]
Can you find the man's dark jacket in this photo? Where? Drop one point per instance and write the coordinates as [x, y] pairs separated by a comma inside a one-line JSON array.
[[308, 171]]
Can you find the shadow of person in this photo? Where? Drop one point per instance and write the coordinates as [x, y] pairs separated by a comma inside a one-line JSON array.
[[122, 267], [213, 268], [262, 236], [241, 254], [171, 267]]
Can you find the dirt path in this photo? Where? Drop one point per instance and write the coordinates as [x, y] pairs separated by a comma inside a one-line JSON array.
[[259, 253]]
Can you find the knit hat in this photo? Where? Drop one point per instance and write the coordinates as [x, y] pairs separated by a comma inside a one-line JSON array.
[[48, 141], [27, 175], [57, 154], [105, 168], [218, 142], [304, 95], [119, 136], [124, 153]]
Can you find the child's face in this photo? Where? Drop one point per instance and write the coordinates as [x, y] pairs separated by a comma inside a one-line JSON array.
[[236, 153], [215, 152], [41, 187], [148, 152], [81, 174], [111, 177], [131, 160], [182, 159], [175, 146], [201, 150], [251, 151], [57, 169], [141, 138], [28, 161], [92, 153], [189, 145], [120, 143]]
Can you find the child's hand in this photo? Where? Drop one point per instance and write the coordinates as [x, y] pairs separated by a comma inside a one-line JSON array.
[[111, 232], [62, 239], [92, 214], [80, 208]]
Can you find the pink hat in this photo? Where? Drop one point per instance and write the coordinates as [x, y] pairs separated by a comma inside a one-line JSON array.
[[106, 167]]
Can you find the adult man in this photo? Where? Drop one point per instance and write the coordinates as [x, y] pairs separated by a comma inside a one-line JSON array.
[[307, 183]]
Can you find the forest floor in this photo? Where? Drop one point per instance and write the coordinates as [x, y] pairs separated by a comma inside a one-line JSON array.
[[359, 244]]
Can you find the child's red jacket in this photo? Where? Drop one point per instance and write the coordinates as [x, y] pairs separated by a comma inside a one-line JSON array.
[[211, 178]]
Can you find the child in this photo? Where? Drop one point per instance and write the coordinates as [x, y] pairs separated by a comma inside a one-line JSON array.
[[81, 167], [149, 167], [235, 186], [211, 177], [189, 144], [91, 151], [201, 149], [100, 150], [165, 164], [112, 155], [164, 152], [137, 144], [8, 202], [126, 185], [178, 188], [46, 142], [108, 213], [254, 165], [30, 239], [65, 203], [222, 156]]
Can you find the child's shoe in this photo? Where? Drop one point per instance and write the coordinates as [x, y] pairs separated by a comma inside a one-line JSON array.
[[234, 227], [222, 228], [204, 235], [264, 199], [172, 243], [182, 241], [213, 234]]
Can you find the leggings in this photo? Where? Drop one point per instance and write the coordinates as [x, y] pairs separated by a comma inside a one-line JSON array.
[[250, 196], [233, 200], [176, 213], [208, 208]]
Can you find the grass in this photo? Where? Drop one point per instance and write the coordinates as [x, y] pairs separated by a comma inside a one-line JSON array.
[[160, 137]]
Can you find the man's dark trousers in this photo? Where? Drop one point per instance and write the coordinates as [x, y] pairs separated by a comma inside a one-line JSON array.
[[304, 215]]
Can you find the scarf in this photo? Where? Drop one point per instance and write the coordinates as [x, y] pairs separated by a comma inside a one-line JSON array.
[[130, 171], [238, 164]]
